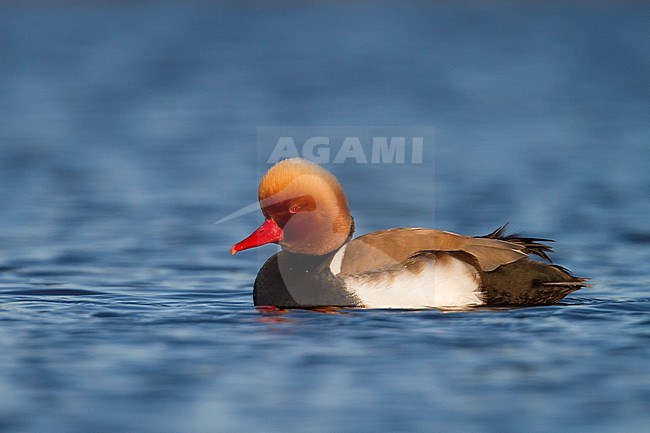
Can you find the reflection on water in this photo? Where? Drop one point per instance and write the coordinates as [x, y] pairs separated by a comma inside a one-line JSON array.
[[127, 130]]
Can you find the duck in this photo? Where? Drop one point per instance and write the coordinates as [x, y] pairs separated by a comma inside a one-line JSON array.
[[321, 265]]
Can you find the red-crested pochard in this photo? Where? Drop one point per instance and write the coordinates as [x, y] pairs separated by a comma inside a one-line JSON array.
[[320, 265]]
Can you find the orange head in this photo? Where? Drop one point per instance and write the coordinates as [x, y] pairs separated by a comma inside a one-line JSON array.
[[305, 209]]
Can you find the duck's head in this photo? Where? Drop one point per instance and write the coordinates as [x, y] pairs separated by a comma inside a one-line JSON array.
[[305, 210]]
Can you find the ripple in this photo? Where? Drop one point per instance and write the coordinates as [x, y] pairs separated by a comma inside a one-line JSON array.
[[107, 314], [52, 292], [642, 238]]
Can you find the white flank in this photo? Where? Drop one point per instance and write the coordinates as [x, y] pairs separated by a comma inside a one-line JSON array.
[[335, 264], [452, 284]]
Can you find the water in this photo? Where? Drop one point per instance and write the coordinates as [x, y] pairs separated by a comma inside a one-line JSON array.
[[127, 130]]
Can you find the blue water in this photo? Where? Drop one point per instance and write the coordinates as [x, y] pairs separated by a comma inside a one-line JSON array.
[[127, 130]]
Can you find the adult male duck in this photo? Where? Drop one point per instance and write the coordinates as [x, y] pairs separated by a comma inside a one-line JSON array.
[[320, 265]]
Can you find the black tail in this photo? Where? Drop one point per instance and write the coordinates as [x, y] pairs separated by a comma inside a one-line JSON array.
[[527, 282], [531, 245]]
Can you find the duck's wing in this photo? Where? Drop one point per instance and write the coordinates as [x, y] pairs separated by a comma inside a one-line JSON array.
[[507, 276], [382, 249], [536, 246]]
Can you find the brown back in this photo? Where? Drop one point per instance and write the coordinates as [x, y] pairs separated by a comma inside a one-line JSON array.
[[382, 249]]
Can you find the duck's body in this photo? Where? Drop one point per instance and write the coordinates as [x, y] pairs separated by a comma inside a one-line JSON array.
[[415, 268], [396, 268]]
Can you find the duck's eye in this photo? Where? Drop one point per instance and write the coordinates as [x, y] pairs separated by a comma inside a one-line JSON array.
[[294, 209]]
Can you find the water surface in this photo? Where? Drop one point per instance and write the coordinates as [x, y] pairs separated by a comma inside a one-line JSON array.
[[127, 130]]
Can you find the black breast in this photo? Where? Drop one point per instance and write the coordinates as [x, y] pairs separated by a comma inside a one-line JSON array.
[[300, 280]]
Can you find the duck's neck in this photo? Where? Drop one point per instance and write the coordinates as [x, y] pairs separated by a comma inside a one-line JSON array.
[[321, 255], [350, 235]]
